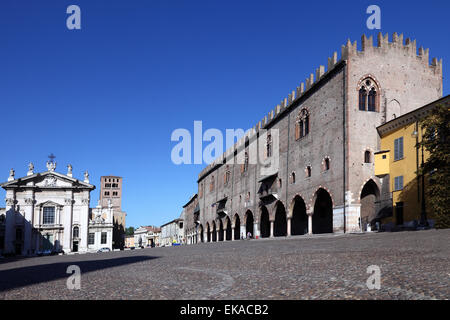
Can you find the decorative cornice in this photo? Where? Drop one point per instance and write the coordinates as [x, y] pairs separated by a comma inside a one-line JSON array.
[[29, 201], [68, 202], [10, 201]]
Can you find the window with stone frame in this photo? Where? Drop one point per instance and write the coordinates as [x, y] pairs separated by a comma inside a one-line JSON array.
[[367, 156], [308, 171], [368, 95], [76, 232], [302, 124], [91, 238], [326, 164], [48, 216], [104, 237], [244, 166], [226, 175]]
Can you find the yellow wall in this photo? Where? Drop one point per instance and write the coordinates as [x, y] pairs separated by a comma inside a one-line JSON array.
[[406, 167]]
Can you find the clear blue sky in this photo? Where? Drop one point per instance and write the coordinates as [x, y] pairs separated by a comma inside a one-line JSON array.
[[106, 98]]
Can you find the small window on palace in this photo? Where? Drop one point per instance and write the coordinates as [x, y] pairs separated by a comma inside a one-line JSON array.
[[107, 185], [293, 177], [398, 149], [368, 157], [280, 183], [91, 238], [269, 145], [106, 193], [115, 185], [115, 193], [104, 237], [327, 164], [384, 156], [398, 183], [308, 171]]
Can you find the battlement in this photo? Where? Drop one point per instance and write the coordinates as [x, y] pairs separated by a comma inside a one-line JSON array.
[[407, 47]]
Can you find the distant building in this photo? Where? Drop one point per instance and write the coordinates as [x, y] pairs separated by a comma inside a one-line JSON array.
[[193, 232], [172, 232], [49, 211], [397, 165], [129, 241], [147, 236], [111, 190]]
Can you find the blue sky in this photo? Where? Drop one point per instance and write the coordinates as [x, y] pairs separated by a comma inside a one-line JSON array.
[[106, 98]]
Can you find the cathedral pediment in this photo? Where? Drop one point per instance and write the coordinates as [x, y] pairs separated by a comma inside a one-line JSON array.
[[48, 180]]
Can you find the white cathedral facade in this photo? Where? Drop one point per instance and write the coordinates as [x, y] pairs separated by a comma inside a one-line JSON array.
[[49, 211]]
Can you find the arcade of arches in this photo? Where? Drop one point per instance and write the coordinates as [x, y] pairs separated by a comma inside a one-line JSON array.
[[294, 221]]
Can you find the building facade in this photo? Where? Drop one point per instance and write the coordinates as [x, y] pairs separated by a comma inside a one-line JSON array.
[[398, 164], [147, 237], [324, 137], [172, 233], [111, 191], [191, 211], [49, 211]]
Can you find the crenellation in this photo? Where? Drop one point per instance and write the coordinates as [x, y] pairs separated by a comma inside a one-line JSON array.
[[366, 43], [320, 72], [309, 81], [383, 41]]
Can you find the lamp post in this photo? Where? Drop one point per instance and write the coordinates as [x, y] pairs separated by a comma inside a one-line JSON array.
[[423, 213]]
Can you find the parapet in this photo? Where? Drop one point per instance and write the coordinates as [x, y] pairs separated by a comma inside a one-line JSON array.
[[408, 47]]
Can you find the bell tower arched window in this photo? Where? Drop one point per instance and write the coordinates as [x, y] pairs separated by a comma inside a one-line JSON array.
[[368, 95]]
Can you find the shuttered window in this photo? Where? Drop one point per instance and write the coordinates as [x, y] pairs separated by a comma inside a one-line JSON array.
[[398, 149]]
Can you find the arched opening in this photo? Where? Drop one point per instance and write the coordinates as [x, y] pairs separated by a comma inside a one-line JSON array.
[[214, 232], [220, 230], [249, 223], [265, 223], [208, 233], [280, 227], [228, 230], [237, 227], [367, 156], [323, 213], [369, 195], [299, 223]]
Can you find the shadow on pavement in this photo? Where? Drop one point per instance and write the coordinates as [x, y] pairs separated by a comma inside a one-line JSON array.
[[25, 276]]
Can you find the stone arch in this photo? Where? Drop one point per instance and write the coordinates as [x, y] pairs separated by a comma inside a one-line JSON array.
[[237, 227], [369, 195], [280, 225], [264, 220], [299, 220], [393, 110], [249, 221], [228, 228], [322, 219]]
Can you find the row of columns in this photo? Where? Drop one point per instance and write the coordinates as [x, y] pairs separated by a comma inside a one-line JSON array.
[[256, 231]]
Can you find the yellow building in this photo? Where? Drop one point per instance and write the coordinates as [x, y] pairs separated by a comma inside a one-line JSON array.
[[397, 164]]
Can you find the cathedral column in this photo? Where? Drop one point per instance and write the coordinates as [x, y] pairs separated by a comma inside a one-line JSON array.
[[225, 235], [28, 225], [84, 224], [310, 222], [10, 223], [255, 230], [67, 224], [271, 229], [232, 234], [289, 226]]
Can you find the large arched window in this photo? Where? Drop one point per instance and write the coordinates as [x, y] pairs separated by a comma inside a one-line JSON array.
[[302, 124], [368, 95]]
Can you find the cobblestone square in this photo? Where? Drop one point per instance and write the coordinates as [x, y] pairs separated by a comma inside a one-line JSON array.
[[414, 265]]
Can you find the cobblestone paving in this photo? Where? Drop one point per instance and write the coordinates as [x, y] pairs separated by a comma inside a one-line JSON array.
[[414, 265]]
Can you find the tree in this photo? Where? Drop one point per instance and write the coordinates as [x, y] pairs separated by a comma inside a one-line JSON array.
[[129, 231], [436, 129]]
